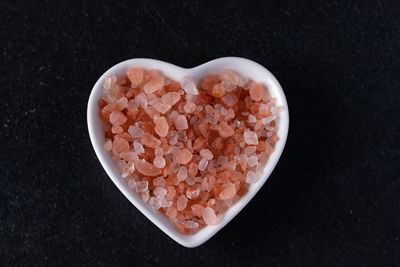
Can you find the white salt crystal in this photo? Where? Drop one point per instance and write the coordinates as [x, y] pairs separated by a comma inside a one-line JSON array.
[[188, 85], [191, 224], [131, 184], [155, 203], [182, 173], [138, 147], [142, 186], [160, 192], [252, 161], [203, 164], [251, 177], [135, 132]]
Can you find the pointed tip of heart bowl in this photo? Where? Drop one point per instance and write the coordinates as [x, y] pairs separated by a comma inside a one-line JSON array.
[[242, 66]]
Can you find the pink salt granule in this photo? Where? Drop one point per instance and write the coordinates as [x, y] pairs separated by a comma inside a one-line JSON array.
[[190, 150]]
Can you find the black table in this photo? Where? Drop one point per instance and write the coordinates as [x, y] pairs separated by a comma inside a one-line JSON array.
[[334, 198]]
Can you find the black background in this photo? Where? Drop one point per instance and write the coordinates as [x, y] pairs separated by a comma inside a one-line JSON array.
[[334, 197]]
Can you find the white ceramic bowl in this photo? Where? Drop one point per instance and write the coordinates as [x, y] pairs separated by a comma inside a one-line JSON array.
[[242, 66]]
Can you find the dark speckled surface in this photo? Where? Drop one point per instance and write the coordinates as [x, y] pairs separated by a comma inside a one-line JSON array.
[[334, 198]]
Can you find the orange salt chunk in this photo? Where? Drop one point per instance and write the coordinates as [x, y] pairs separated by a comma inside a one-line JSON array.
[[193, 169], [149, 140], [208, 82], [209, 216], [258, 125], [225, 130], [224, 177], [275, 138], [135, 75], [146, 168], [162, 107], [228, 193], [184, 156], [218, 90], [120, 145], [255, 91], [216, 189], [117, 118], [128, 156], [243, 161], [181, 123], [261, 146], [204, 98], [207, 154], [171, 212], [197, 210], [181, 188], [203, 128], [199, 143], [189, 107], [121, 103], [106, 111], [155, 84], [161, 127], [125, 136], [171, 98], [108, 145], [171, 192]]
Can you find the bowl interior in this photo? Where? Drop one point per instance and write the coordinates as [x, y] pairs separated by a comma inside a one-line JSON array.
[[242, 66]]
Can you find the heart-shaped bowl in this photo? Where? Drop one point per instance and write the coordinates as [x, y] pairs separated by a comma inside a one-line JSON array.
[[242, 66]]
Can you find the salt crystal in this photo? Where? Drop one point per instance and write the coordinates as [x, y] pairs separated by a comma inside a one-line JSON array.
[[191, 224], [159, 181], [189, 86], [161, 127], [155, 203], [145, 195], [142, 100], [142, 186], [189, 107], [203, 164], [182, 136], [159, 162], [252, 118], [108, 145], [209, 216], [131, 184], [155, 84], [250, 150], [229, 100], [184, 156], [181, 122], [174, 166], [207, 154], [190, 181], [174, 139], [251, 177], [160, 192], [228, 192], [171, 98], [199, 108], [225, 130], [135, 132], [211, 165], [128, 169], [181, 203], [256, 91], [138, 147], [222, 160], [182, 173], [162, 107], [250, 138], [252, 161]]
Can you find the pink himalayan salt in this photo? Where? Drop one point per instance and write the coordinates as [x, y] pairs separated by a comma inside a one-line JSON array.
[[117, 118], [251, 177], [142, 186], [228, 193], [135, 132], [250, 138], [189, 107], [181, 202], [243, 161], [161, 127], [184, 156], [120, 145], [229, 100], [197, 210], [145, 195], [181, 123], [108, 145], [154, 85], [150, 141], [162, 107], [182, 173], [159, 181], [192, 193], [225, 130], [203, 164], [193, 169], [159, 162], [191, 224], [171, 98], [255, 91], [171, 212], [135, 75], [207, 154], [138, 147], [128, 170], [160, 192], [146, 168], [155, 202], [117, 129], [209, 216], [189, 86]]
